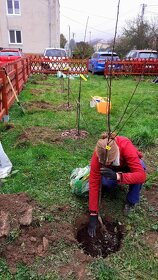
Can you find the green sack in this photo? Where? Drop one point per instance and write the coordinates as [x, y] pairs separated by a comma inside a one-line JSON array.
[[79, 181]]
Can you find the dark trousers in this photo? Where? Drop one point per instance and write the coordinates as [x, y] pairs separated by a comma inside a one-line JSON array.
[[133, 194]]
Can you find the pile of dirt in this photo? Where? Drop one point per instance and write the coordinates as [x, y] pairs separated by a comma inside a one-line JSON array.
[[23, 236], [37, 134], [74, 134], [26, 233]]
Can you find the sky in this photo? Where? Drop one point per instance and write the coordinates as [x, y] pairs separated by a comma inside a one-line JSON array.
[[88, 19]]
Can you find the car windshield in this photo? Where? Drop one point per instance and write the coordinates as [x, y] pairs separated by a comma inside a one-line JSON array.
[[9, 53], [57, 53], [108, 55], [148, 55]]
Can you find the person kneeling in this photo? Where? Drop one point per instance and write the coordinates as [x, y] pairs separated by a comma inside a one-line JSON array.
[[115, 161]]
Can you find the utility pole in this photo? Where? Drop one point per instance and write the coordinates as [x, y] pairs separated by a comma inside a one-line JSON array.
[[141, 28], [69, 42], [49, 24], [90, 37], [142, 12], [86, 29]]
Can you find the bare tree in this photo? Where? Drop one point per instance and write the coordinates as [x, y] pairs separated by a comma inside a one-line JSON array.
[[62, 41], [137, 34]]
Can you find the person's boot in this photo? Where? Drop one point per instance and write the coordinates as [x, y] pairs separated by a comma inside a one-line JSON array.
[[128, 208]]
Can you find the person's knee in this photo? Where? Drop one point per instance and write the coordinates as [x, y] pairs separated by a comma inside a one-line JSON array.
[[108, 182]]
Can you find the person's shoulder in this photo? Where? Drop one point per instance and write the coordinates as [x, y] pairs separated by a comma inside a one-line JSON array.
[[122, 139], [124, 143]]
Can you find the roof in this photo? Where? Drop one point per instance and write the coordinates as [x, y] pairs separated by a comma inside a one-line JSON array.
[[146, 50], [105, 52], [54, 49], [10, 50]]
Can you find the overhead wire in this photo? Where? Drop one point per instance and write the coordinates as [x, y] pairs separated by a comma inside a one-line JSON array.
[[90, 27], [94, 15]]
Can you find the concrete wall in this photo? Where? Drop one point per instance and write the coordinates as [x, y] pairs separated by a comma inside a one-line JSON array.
[[39, 23]]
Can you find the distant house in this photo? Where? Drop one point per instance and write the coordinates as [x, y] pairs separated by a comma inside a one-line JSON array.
[[100, 45], [31, 25]]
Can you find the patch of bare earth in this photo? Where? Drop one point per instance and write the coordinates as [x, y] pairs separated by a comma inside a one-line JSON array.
[[74, 134], [151, 239], [151, 159], [77, 267], [24, 236], [37, 134], [39, 77], [37, 92], [43, 83], [152, 196], [42, 105]]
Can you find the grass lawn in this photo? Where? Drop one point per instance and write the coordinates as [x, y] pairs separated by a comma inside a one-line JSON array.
[[43, 162]]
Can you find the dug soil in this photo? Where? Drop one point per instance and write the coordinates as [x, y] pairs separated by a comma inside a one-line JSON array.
[[108, 239], [34, 106], [27, 232], [37, 134]]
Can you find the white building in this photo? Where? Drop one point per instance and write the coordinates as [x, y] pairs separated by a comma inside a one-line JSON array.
[[31, 25]]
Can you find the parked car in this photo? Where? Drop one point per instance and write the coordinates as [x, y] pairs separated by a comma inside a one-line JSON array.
[[142, 54], [51, 54], [7, 55], [97, 61], [55, 52]]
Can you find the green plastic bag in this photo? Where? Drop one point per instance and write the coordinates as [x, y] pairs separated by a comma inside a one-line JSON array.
[[79, 181]]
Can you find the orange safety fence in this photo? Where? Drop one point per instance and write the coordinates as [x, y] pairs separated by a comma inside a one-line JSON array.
[[132, 67]]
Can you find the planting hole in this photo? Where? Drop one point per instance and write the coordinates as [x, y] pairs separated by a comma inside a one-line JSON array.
[[107, 239]]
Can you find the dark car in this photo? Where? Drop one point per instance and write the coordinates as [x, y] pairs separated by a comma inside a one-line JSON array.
[[7, 55], [97, 61], [142, 54]]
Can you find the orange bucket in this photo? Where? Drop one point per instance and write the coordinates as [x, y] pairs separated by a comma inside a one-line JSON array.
[[103, 107]]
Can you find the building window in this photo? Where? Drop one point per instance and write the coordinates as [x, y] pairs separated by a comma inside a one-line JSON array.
[[13, 7], [15, 37]]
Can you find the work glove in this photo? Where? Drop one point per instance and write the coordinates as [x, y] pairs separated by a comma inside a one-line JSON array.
[[93, 221], [108, 173]]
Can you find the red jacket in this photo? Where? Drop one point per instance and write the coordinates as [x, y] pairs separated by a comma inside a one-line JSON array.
[[129, 157]]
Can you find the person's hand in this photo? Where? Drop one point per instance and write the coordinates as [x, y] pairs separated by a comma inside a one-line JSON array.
[[93, 221], [108, 173]]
